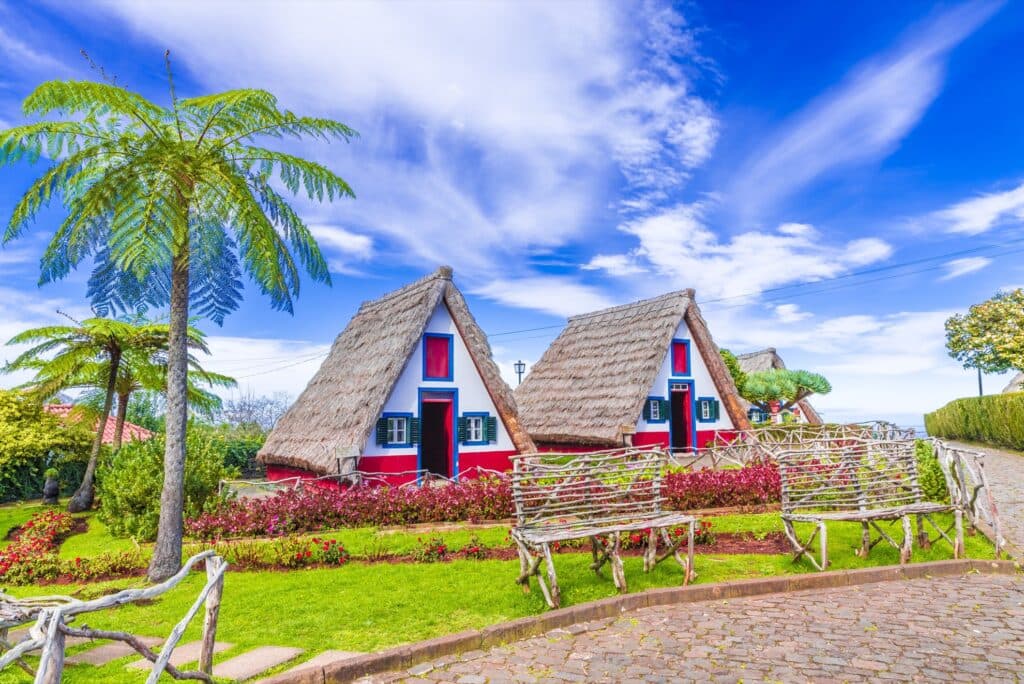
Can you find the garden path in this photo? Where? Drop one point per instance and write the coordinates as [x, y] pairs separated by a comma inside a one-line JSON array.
[[1005, 473], [969, 628]]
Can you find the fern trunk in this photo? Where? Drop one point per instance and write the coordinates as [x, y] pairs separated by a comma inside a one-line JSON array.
[[122, 414], [82, 499], [167, 552]]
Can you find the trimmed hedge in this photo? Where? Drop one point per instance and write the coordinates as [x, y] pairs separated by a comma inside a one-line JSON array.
[[997, 419]]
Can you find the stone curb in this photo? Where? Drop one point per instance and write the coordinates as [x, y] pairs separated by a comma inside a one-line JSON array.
[[404, 657]]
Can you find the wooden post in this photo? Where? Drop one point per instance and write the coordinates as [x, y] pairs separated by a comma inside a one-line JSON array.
[[824, 546], [51, 663], [907, 541], [212, 612]]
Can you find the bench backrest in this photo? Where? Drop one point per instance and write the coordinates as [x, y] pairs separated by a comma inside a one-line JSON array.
[[849, 474], [587, 490]]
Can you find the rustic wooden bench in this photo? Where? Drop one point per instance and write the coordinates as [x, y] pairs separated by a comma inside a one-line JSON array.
[[598, 495], [859, 480]]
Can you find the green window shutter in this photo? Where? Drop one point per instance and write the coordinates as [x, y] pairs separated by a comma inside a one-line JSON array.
[[665, 408], [647, 409], [414, 430], [492, 429], [715, 408], [382, 431], [462, 429]]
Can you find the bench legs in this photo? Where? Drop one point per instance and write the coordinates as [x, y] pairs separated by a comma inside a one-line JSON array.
[[957, 541], [529, 565], [802, 549]]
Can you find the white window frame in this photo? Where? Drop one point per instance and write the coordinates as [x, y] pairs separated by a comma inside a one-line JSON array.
[[705, 409], [398, 430], [655, 409], [475, 428]]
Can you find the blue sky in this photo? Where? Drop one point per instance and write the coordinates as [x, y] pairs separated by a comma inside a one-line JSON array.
[[567, 156]]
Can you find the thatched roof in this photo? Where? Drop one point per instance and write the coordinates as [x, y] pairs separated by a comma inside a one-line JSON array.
[[1016, 385], [594, 378], [336, 413], [769, 359]]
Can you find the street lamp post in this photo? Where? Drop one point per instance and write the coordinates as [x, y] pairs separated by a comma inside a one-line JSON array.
[[520, 368]]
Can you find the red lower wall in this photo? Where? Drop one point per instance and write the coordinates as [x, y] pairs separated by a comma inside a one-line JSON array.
[[640, 439], [490, 460], [385, 469]]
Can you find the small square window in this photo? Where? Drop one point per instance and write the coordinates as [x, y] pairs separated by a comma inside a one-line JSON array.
[[398, 430], [705, 409], [475, 429]]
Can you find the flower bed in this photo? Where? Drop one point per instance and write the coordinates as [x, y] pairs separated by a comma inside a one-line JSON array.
[[32, 554], [313, 509], [692, 490]]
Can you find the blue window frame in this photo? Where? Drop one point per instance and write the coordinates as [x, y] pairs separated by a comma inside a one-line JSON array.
[[399, 430], [681, 358], [707, 409], [656, 410], [476, 428], [451, 357]]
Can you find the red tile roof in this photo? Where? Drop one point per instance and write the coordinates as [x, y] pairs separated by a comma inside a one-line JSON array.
[[131, 430]]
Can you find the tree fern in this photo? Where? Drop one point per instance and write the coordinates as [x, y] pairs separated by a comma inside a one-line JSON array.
[[169, 194]]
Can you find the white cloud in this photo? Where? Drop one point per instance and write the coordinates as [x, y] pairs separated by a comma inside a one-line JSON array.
[[891, 366], [790, 313], [961, 267], [557, 296], [678, 245], [982, 213], [614, 265], [351, 246], [862, 119], [489, 129], [264, 365]]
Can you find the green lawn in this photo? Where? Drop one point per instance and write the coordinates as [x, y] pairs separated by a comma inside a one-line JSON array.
[[370, 606]]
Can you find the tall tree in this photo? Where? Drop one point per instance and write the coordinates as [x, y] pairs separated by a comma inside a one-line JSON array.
[[179, 194], [63, 356], [782, 387], [990, 336], [147, 371]]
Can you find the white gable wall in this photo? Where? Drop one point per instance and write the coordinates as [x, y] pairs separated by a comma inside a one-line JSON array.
[[703, 386], [472, 393]]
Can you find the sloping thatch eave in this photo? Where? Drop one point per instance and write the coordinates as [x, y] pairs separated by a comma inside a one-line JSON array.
[[719, 372]]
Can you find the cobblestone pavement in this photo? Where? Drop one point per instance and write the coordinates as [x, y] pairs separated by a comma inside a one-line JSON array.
[[953, 629], [1005, 473]]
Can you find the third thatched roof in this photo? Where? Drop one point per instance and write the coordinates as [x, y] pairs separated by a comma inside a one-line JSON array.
[[336, 413], [769, 359], [594, 378]]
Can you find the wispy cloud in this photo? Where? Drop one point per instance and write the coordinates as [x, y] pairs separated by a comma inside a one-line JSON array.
[[490, 131], [961, 267], [982, 213], [342, 247], [791, 313], [864, 117], [557, 296], [677, 245]]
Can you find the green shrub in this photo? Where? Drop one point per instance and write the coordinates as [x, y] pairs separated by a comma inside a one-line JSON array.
[[929, 473], [32, 441], [130, 484], [997, 419]]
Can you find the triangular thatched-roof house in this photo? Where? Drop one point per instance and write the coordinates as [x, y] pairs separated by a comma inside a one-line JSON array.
[[769, 359], [409, 385], [628, 373], [1016, 385]]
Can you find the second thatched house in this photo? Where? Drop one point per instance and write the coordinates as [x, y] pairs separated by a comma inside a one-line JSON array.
[[644, 373], [769, 359], [408, 386]]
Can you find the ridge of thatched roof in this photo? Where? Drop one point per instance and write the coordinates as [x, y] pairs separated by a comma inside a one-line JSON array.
[[769, 359], [594, 378], [336, 413]]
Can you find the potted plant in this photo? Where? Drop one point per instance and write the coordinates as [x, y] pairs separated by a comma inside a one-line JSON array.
[[51, 488]]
